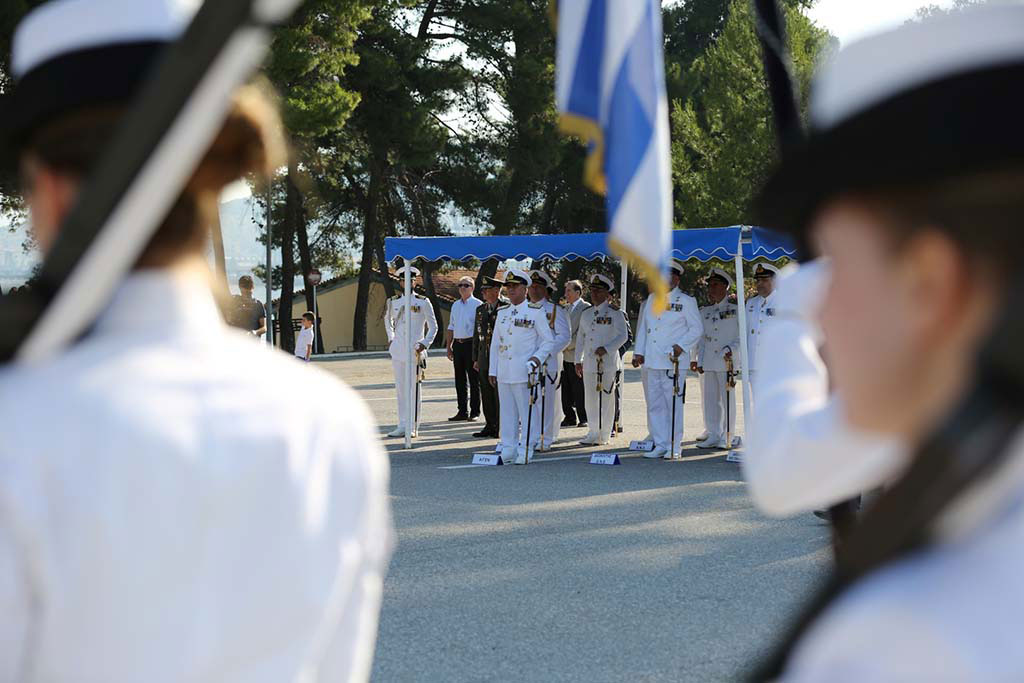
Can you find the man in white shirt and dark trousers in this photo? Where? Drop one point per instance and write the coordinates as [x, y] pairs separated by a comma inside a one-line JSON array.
[[660, 340], [460, 352], [574, 407]]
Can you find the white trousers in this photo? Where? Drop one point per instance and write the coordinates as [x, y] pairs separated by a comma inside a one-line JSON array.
[[514, 400], [400, 370], [553, 399], [604, 417], [659, 408], [714, 384]]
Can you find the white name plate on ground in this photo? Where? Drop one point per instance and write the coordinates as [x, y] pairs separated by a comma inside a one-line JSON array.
[[734, 456], [641, 445], [605, 459], [487, 459]]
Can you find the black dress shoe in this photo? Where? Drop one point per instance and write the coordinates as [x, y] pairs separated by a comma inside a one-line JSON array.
[[474, 417], [582, 424], [458, 417], [483, 434], [567, 423]]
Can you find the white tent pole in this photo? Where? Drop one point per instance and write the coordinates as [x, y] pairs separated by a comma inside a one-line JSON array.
[[410, 361], [741, 301]]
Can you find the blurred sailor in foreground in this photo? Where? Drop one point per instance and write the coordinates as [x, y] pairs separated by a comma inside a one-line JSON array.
[[167, 510], [760, 308], [601, 332], [542, 286], [663, 345], [404, 351], [910, 184], [716, 348], [521, 342]]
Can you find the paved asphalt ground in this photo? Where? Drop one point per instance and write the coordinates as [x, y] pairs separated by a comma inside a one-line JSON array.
[[566, 571]]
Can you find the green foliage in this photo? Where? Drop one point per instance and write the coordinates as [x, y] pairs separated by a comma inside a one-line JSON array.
[[723, 141]]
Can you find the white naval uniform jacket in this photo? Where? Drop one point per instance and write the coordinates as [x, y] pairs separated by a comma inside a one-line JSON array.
[[601, 326], [679, 324], [394, 324], [561, 329], [801, 455], [721, 334], [759, 310], [951, 612], [179, 502], [521, 332]]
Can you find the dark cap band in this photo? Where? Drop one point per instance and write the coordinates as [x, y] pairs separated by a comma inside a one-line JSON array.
[[98, 77]]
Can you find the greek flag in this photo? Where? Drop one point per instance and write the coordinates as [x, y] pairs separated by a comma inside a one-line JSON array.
[[610, 91]]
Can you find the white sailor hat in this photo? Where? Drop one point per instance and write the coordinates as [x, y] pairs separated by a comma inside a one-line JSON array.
[[74, 54], [928, 101], [413, 269], [676, 265], [517, 277], [763, 270], [539, 276], [721, 274], [602, 282]]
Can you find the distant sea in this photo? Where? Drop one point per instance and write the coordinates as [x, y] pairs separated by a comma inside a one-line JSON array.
[[242, 249]]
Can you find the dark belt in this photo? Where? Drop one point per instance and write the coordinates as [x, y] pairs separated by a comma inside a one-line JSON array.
[[465, 339]]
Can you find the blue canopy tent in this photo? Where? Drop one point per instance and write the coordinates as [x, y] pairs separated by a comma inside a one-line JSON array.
[[739, 243]]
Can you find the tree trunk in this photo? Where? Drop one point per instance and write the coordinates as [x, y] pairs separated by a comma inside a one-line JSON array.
[[370, 231], [292, 215], [304, 258], [382, 265]]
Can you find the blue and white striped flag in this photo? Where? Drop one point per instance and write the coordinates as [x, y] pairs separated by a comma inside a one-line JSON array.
[[610, 91]]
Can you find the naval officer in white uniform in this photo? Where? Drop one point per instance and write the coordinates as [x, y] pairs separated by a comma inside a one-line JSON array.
[[168, 510], [660, 340], [542, 286], [721, 342], [760, 308], [521, 342], [601, 332], [404, 351]]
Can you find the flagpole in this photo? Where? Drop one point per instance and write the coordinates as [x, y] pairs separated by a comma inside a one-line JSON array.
[[741, 302], [410, 377]]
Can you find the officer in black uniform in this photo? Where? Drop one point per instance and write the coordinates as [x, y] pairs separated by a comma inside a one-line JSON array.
[[486, 314]]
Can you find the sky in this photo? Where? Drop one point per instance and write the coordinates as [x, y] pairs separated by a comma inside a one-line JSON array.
[[852, 19]]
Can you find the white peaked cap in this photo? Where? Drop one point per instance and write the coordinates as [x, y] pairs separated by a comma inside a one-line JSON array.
[[63, 27], [724, 275], [517, 276], [603, 279]]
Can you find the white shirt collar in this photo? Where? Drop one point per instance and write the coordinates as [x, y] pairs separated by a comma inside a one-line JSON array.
[[160, 301]]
